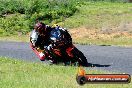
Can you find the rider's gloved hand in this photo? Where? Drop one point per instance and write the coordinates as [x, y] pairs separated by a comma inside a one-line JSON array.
[[48, 47]]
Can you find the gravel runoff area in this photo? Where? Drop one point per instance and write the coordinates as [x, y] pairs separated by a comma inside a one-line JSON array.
[[111, 58]]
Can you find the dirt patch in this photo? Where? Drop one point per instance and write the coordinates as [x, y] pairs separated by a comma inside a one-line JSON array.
[[83, 32]]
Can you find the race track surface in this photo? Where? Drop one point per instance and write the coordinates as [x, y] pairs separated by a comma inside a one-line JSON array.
[[111, 58]]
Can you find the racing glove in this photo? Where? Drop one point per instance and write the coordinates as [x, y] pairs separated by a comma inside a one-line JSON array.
[[48, 47]]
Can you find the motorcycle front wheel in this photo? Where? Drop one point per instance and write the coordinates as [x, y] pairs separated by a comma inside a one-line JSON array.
[[79, 57]]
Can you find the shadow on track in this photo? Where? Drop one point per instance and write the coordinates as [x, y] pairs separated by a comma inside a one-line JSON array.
[[97, 65]]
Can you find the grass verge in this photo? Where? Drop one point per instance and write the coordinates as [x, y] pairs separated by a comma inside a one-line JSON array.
[[15, 38], [95, 37], [102, 23], [100, 15], [110, 20], [20, 74]]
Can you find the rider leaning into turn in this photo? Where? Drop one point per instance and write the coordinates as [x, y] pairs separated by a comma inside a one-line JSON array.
[[42, 35]]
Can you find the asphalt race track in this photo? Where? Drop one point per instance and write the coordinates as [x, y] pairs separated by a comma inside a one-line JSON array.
[[111, 58]]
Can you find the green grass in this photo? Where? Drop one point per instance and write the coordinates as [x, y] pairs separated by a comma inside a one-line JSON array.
[[21, 74], [96, 15], [122, 41], [15, 38]]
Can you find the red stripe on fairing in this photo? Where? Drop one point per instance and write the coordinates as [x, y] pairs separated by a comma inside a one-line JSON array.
[[37, 53]]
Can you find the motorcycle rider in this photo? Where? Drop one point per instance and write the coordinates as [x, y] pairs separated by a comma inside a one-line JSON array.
[[43, 36], [39, 38]]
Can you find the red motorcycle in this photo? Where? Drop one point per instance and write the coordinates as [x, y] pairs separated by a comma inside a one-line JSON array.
[[62, 50], [68, 55]]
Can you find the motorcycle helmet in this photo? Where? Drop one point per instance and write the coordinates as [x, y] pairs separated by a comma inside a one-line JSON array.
[[40, 27]]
